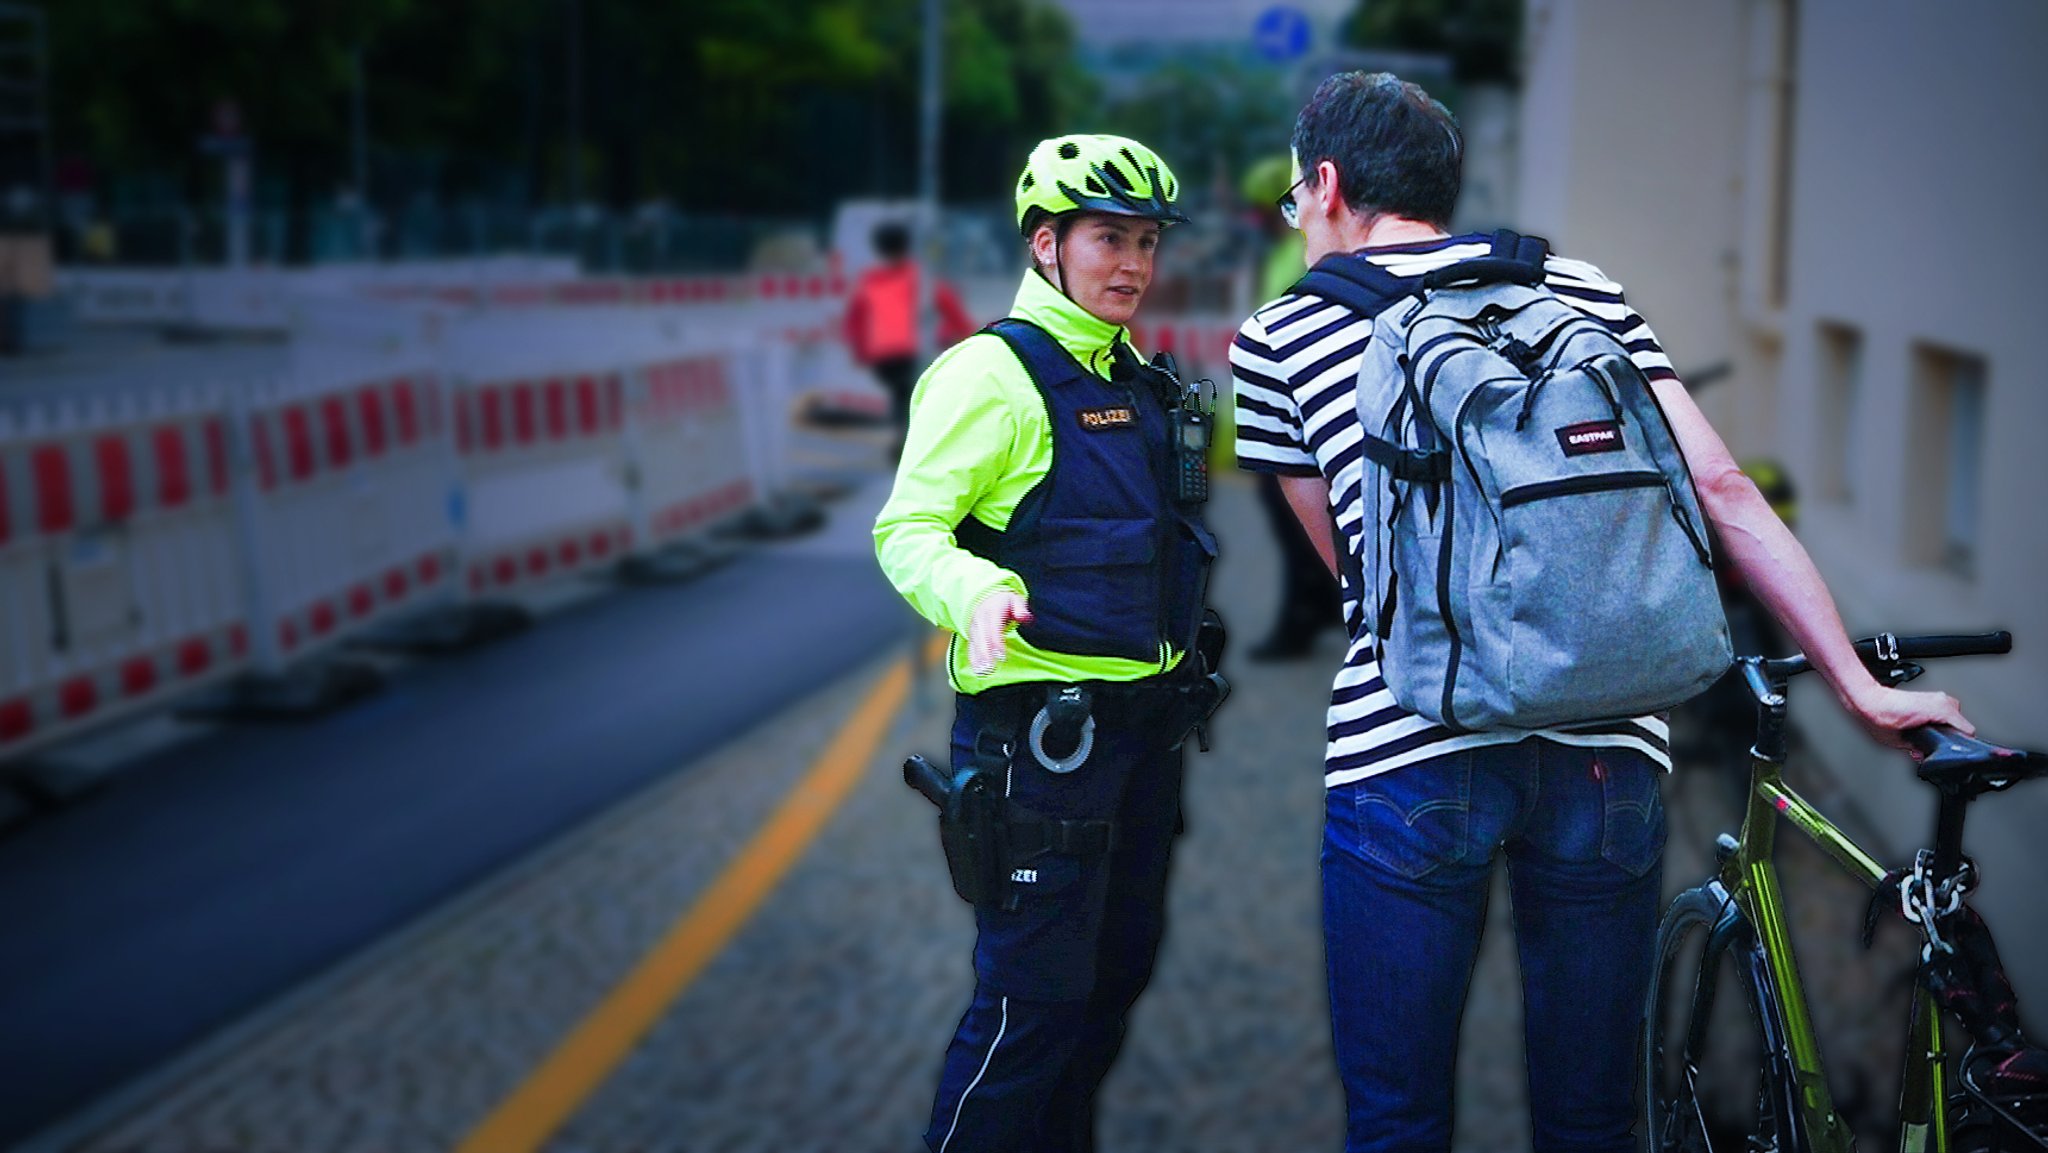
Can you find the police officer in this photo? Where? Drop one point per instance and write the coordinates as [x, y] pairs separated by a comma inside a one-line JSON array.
[[1046, 511]]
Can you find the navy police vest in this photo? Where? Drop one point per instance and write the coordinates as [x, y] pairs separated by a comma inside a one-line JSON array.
[[1114, 566]]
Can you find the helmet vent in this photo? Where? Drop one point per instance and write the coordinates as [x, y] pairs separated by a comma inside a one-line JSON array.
[[1133, 161], [1028, 181], [1096, 187], [1116, 174], [1069, 150]]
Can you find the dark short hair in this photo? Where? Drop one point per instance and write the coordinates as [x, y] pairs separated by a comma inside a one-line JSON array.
[[891, 238], [1397, 150]]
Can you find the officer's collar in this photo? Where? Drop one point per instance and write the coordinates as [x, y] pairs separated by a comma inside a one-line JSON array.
[[1086, 336]]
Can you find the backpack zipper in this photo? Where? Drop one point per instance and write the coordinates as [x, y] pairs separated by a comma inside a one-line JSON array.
[[1443, 606], [1572, 485]]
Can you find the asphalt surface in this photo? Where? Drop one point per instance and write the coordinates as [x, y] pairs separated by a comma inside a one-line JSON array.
[[212, 876]]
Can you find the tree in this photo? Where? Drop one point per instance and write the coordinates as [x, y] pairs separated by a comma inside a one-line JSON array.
[[715, 105], [1211, 111], [1482, 38]]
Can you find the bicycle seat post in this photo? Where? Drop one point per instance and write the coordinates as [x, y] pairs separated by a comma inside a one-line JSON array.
[[1949, 812]]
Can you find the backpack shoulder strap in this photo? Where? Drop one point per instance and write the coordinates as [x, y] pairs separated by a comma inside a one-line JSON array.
[[1365, 288], [1358, 284], [1512, 245], [1514, 259]]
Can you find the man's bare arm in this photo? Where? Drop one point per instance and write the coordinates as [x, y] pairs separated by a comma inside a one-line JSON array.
[[1782, 574], [1309, 497]]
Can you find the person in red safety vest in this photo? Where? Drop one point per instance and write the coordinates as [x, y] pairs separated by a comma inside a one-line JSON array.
[[881, 321]]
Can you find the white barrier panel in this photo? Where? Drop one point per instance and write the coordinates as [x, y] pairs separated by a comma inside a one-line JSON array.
[[126, 295], [345, 509], [767, 408], [540, 418], [467, 282], [689, 444], [249, 301], [118, 567], [261, 301]]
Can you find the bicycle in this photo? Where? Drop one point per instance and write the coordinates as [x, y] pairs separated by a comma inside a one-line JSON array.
[[1733, 927]]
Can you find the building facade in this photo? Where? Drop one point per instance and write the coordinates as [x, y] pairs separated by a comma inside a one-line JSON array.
[[1826, 205]]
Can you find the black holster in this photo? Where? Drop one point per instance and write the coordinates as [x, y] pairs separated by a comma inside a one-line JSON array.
[[1197, 698], [985, 835], [973, 827]]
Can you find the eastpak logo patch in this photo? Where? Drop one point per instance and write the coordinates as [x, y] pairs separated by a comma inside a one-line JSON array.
[[1590, 437], [1114, 416]]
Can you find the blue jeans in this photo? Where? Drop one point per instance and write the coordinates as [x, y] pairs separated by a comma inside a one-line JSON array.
[[1407, 865]]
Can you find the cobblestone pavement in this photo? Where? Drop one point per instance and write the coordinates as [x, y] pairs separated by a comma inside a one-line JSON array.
[[821, 1025]]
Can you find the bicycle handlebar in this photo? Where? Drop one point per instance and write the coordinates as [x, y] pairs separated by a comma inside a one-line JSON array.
[[1885, 650], [1937, 645]]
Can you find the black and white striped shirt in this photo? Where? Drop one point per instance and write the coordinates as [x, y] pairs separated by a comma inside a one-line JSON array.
[[1295, 367]]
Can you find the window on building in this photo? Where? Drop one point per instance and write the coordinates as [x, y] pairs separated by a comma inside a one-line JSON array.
[[1841, 372], [1946, 439]]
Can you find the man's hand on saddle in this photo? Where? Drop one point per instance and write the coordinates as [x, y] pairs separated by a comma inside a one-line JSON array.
[[1884, 713]]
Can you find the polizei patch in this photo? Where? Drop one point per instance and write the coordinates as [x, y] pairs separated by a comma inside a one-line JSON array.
[[1590, 437], [1114, 416]]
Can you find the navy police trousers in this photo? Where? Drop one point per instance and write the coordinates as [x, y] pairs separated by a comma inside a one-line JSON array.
[[1056, 975]]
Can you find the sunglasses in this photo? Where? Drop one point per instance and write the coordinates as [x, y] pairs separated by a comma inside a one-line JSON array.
[[1290, 212]]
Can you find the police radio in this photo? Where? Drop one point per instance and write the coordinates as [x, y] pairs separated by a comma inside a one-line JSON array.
[[1190, 453], [1190, 416]]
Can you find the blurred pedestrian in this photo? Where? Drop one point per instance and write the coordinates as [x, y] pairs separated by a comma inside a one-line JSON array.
[[881, 321], [1041, 491], [1416, 812], [1308, 593]]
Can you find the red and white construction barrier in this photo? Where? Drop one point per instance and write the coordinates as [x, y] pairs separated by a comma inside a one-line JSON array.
[[540, 416], [118, 566], [688, 443], [345, 520], [411, 455]]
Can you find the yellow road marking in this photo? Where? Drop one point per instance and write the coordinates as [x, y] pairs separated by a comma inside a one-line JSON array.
[[553, 1093]]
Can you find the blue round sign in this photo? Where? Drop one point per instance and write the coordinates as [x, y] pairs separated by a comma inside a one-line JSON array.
[[1281, 33]]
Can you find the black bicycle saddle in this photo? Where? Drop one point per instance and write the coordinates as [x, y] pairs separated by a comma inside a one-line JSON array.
[[1950, 760]]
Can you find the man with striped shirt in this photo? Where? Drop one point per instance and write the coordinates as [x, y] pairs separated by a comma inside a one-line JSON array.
[[1415, 814]]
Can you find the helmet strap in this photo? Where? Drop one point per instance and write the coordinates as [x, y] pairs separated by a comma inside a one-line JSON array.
[[1060, 222], [1059, 260]]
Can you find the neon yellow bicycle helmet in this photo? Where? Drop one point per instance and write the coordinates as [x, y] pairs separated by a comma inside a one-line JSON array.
[[1267, 181], [1089, 173]]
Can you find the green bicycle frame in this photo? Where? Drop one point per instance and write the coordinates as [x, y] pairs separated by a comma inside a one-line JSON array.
[[1751, 878]]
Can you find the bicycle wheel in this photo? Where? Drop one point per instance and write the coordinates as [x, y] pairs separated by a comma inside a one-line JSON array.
[[1714, 1077]]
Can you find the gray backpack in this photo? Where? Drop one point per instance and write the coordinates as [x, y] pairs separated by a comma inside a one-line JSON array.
[[1539, 555]]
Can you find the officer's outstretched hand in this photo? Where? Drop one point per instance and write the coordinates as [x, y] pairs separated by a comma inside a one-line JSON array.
[[988, 628]]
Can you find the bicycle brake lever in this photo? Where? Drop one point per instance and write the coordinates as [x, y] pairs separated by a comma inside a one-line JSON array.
[[1899, 674]]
